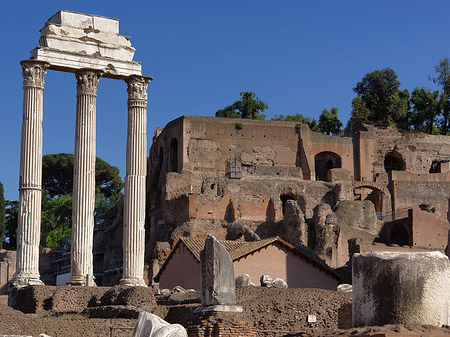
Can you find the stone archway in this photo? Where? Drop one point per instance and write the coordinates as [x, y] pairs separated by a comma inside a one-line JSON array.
[[393, 161], [323, 162]]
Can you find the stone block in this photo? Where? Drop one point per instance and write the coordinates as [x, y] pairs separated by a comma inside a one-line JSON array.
[[401, 288], [85, 21], [149, 325]]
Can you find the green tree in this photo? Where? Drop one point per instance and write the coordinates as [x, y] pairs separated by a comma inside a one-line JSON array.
[[248, 106], [442, 79], [57, 182], [11, 220], [380, 94], [312, 123], [2, 214], [329, 122], [359, 110], [57, 176], [426, 107]]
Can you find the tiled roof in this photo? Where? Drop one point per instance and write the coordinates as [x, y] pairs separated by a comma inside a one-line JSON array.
[[236, 249], [239, 249]]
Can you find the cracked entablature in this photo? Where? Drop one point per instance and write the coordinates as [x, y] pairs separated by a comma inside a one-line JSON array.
[[72, 41]]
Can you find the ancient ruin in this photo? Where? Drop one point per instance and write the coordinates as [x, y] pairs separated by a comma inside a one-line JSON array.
[[401, 288], [370, 189], [218, 291], [89, 46]]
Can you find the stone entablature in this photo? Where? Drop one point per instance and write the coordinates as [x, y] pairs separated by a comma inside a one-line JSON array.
[[72, 41]]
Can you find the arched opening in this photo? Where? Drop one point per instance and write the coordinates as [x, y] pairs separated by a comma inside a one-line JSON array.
[[435, 167], [173, 155], [394, 162], [325, 161], [399, 235], [369, 193], [284, 198]]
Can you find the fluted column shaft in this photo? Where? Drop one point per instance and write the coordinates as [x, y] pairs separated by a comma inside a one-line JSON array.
[[30, 180], [84, 177], [134, 201]]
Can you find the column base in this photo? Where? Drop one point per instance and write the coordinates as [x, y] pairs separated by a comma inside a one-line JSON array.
[[80, 281], [133, 282], [21, 281]]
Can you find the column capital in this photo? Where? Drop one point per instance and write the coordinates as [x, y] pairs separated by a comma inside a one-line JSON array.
[[137, 87], [87, 81], [34, 72]]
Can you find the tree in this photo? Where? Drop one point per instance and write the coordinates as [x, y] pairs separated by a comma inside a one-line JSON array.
[[312, 123], [249, 106], [359, 110], [57, 176], [442, 79], [2, 214], [426, 107], [329, 122], [11, 220], [57, 183], [381, 96]]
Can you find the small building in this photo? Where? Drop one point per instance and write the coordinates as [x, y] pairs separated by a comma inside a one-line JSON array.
[[299, 267]]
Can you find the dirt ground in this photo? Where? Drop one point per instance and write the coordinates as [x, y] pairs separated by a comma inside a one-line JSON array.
[[274, 312]]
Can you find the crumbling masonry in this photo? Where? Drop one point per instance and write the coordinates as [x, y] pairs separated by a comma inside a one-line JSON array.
[[370, 189]]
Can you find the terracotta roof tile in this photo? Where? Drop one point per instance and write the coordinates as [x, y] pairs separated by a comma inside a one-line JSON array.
[[239, 249]]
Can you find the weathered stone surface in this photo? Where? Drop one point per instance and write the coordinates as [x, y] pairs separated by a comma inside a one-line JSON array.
[[401, 288], [178, 289], [265, 280], [358, 215], [242, 280], [72, 41], [279, 283], [217, 275], [296, 227], [345, 288], [149, 325]]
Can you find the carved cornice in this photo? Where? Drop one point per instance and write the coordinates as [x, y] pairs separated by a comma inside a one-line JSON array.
[[137, 87], [87, 81], [33, 73]]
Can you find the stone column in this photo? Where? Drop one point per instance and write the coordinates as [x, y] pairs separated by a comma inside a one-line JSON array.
[[134, 202], [30, 180], [84, 177]]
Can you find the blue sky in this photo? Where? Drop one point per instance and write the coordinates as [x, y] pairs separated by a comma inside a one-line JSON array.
[[298, 56]]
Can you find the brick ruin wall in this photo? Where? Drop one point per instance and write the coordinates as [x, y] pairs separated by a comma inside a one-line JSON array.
[[190, 189]]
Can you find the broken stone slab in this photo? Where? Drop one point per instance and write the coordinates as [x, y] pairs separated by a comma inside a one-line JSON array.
[[149, 325], [217, 274], [242, 280], [345, 288], [400, 288], [217, 278], [265, 280], [279, 283]]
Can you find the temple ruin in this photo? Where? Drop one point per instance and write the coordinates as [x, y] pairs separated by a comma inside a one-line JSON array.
[[90, 47]]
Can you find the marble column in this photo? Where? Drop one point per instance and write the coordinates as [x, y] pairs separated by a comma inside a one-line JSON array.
[[84, 178], [30, 180], [134, 201]]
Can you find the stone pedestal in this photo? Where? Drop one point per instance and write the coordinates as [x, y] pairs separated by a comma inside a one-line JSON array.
[[84, 177], [401, 288], [134, 200], [30, 181]]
